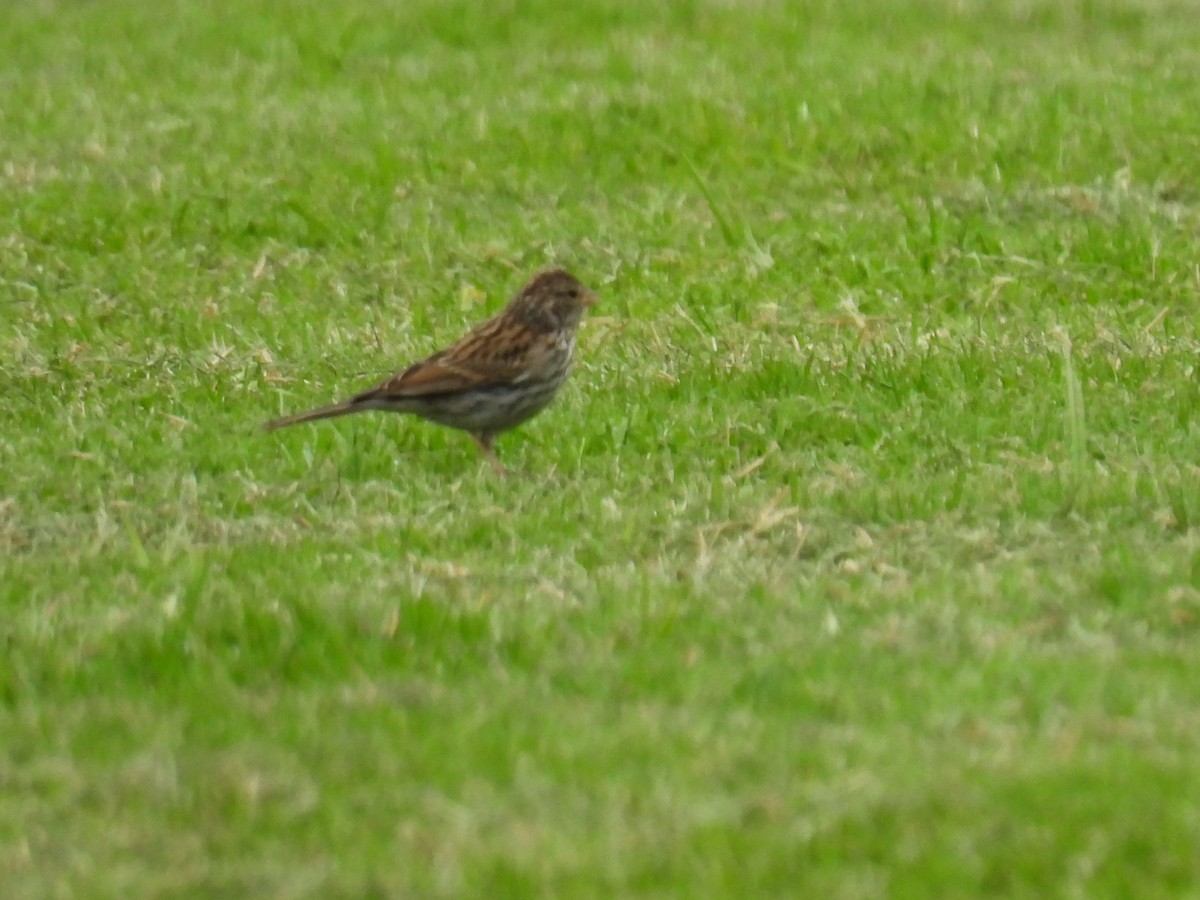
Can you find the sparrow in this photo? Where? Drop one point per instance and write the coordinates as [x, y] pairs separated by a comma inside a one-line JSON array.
[[501, 373]]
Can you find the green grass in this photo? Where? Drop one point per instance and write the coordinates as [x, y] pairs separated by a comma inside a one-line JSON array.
[[860, 557]]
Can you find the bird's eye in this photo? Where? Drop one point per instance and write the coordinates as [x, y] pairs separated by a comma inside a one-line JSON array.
[[573, 293]]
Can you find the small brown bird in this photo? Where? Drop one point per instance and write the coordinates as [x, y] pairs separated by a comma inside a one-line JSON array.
[[502, 372]]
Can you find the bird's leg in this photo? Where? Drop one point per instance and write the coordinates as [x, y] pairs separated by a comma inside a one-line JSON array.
[[485, 442]]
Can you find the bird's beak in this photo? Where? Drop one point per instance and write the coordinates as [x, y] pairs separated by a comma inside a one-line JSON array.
[[590, 300]]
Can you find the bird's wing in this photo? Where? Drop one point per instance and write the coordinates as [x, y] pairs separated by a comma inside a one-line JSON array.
[[484, 358]]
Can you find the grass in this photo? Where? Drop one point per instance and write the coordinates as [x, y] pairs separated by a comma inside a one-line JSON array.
[[861, 556]]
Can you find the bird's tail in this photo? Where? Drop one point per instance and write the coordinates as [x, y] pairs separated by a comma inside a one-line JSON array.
[[321, 412]]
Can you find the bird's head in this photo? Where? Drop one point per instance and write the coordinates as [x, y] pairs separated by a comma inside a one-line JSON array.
[[553, 300]]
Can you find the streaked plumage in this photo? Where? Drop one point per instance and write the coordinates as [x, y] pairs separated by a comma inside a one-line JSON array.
[[501, 373]]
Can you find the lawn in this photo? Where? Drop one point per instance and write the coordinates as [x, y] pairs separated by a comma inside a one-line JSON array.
[[860, 557]]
